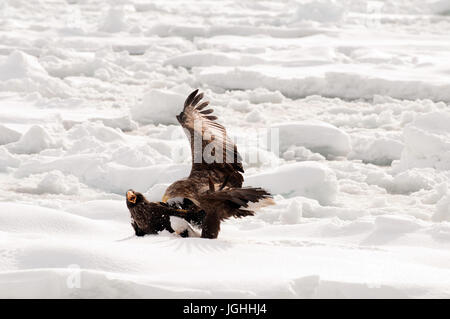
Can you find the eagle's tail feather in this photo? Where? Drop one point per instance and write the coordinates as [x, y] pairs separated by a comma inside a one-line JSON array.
[[238, 213], [237, 201]]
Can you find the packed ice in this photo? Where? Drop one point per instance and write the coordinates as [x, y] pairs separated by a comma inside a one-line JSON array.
[[341, 109]]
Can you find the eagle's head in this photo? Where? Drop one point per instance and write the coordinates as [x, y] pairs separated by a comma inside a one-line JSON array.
[[134, 198]]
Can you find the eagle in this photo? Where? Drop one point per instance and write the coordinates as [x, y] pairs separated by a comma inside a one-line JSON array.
[[213, 190], [222, 165], [153, 217]]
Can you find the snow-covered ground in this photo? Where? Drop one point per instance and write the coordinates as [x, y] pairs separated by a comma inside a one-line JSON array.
[[358, 93]]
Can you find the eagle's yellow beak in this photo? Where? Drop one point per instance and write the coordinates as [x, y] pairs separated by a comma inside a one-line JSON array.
[[131, 197], [165, 199]]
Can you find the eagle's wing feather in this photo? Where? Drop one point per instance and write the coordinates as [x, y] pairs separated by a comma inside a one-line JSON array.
[[225, 203], [201, 129], [233, 202]]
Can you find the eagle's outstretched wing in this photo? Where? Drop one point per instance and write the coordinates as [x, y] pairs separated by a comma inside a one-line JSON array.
[[213, 153]]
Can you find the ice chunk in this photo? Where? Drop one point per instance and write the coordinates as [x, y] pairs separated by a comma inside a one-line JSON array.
[[158, 107], [319, 137], [442, 212], [379, 151], [8, 135], [53, 182], [98, 130], [20, 65], [22, 72], [35, 140], [320, 10], [7, 159], [427, 142], [292, 214], [114, 21], [56, 182], [308, 179]]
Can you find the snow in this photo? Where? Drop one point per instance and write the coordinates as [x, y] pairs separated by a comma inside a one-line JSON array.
[[321, 11], [317, 136], [292, 214], [427, 142], [158, 107], [114, 20], [20, 70], [309, 179], [8, 136], [378, 150], [7, 159], [330, 81], [20, 65], [354, 94], [56, 182], [35, 140], [442, 210]]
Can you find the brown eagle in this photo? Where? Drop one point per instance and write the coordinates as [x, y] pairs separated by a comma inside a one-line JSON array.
[[153, 217], [213, 190], [221, 163]]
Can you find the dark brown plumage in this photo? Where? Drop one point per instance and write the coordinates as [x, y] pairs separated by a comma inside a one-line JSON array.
[[213, 190], [215, 182], [216, 205], [203, 132], [149, 217], [231, 202]]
